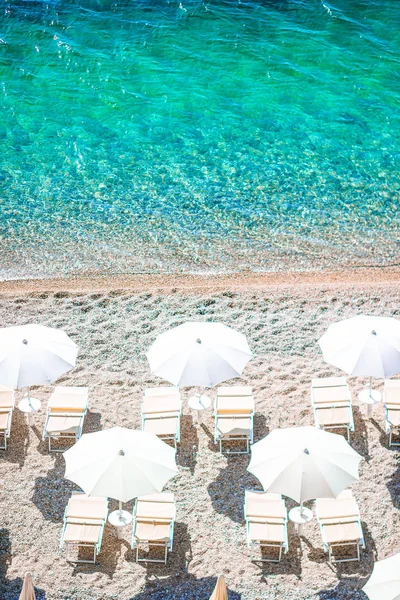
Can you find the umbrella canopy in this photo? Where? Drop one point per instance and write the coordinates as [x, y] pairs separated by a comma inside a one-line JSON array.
[[199, 354], [364, 346], [120, 463], [220, 591], [28, 591], [384, 583], [304, 463], [34, 355]]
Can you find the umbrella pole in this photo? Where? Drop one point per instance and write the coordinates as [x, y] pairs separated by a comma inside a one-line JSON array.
[[370, 387], [120, 510]]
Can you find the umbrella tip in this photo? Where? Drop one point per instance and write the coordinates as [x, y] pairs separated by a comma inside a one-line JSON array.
[[198, 341], [121, 453], [25, 342], [373, 332], [306, 451]]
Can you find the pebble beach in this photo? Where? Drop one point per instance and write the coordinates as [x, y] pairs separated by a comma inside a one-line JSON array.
[[114, 321]]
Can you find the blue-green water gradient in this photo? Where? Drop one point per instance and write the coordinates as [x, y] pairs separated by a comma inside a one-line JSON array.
[[154, 135]]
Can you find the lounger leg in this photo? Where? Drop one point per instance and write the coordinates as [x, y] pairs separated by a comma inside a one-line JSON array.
[[166, 553]]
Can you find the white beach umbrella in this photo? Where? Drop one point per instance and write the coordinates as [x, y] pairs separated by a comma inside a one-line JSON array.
[[364, 346], [304, 463], [384, 583], [199, 354], [120, 463], [34, 355]]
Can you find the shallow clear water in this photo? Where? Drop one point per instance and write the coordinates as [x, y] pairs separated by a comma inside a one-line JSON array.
[[150, 135]]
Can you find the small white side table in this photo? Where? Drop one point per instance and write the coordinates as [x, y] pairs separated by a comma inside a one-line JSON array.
[[370, 398], [300, 517], [29, 406], [120, 519], [199, 403]]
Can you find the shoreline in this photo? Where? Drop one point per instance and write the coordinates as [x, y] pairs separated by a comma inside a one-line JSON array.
[[198, 283]]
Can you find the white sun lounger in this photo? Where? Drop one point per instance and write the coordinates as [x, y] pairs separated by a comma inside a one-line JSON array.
[[332, 405], [7, 403], [153, 524], [84, 521], [161, 413], [234, 414], [266, 523], [340, 524], [65, 415], [391, 401]]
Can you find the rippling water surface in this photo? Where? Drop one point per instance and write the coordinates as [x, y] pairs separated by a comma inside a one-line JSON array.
[[154, 135]]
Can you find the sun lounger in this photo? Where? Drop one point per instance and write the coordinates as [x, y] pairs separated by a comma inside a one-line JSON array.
[[65, 416], [161, 413], [266, 523], [84, 521], [331, 402], [7, 402], [153, 524], [340, 525], [392, 409], [234, 414]]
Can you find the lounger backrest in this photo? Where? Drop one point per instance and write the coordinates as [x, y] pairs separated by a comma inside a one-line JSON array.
[[392, 392], [336, 509], [319, 382], [66, 400], [81, 506], [7, 397], [161, 400], [264, 505], [332, 394], [234, 400], [157, 507]]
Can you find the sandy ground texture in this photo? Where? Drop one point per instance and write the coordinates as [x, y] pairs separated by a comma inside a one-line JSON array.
[[283, 320]]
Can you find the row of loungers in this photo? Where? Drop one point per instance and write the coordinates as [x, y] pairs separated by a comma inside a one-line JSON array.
[[333, 409], [266, 523], [265, 517], [233, 410], [85, 518]]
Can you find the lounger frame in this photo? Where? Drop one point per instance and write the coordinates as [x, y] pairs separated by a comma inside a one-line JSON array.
[[167, 544], [392, 405], [157, 416], [175, 438], [332, 382], [219, 438], [329, 547], [64, 435], [96, 547], [283, 547], [5, 433]]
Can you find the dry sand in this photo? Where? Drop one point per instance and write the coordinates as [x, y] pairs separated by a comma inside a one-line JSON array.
[[114, 322]]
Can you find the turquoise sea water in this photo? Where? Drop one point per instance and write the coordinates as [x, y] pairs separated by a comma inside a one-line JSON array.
[[155, 135]]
